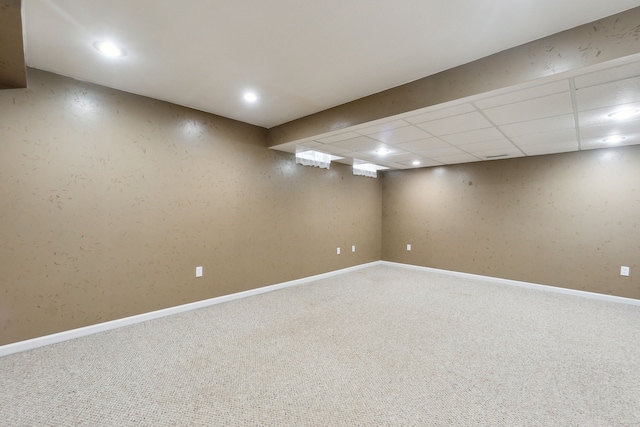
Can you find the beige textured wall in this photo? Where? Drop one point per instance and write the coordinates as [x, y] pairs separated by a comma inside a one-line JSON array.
[[568, 220], [110, 201]]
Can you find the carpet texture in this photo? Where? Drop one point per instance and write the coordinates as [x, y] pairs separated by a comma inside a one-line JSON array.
[[382, 346]]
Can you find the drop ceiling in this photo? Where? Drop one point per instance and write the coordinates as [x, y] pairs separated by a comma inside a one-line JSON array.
[[548, 116], [305, 57]]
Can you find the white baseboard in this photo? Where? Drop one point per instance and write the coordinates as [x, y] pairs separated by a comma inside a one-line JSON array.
[[566, 291], [126, 321]]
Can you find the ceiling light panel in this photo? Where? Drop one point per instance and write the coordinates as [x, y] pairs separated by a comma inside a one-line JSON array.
[[109, 49], [456, 124]]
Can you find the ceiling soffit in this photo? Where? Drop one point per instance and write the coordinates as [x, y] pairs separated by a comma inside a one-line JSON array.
[[594, 43], [13, 73]]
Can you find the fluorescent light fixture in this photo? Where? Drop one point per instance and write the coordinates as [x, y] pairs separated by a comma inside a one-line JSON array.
[[363, 168], [250, 97], [624, 114], [307, 157], [109, 49], [614, 139], [415, 162], [382, 152]]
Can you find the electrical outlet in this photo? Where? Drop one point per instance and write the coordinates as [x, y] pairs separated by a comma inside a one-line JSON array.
[[409, 247], [338, 251], [624, 271], [198, 271]]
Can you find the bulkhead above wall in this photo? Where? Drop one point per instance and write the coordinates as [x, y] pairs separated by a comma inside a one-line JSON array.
[[13, 72]]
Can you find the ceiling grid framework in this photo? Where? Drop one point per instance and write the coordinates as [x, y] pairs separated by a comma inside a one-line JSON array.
[[556, 115]]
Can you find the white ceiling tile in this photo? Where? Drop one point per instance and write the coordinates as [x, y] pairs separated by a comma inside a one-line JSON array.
[[389, 151], [592, 143], [400, 166], [439, 152], [486, 145], [558, 147], [332, 149], [336, 138], [601, 116], [381, 127], [400, 135], [456, 124], [548, 124], [525, 94], [423, 144], [547, 106], [424, 163], [441, 113], [360, 156], [620, 128], [609, 75], [501, 153], [608, 94], [402, 157], [357, 144], [470, 137], [456, 158], [545, 138]]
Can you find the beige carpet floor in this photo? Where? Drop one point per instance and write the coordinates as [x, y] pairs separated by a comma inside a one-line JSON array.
[[382, 346]]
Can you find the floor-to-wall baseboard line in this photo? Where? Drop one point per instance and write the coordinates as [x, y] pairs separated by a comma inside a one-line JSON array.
[[118, 323], [126, 321], [566, 291]]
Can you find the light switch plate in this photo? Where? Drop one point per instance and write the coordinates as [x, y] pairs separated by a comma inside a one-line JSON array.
[[198, 271], [408, 247], [353, 248], [338, 251], [624, 271]]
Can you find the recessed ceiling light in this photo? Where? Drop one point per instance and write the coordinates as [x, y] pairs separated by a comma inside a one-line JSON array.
[[614, 139], [250, 97], [415, 162], [110, 49], [624, 114], [382, 152]]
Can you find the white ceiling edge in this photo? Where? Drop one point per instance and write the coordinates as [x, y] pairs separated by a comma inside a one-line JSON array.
[[301, 57], [608, 67]]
